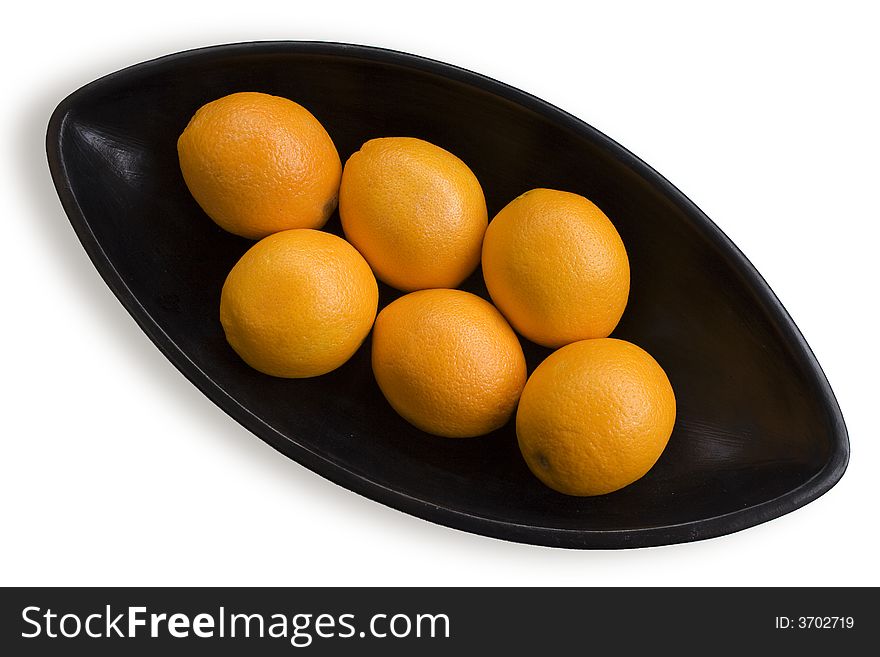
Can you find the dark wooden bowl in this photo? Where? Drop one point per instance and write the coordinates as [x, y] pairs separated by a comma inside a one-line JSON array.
[[759, 432]]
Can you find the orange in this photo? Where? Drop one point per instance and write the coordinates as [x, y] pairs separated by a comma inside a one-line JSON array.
[[595, 417], [415, 211], [448, 362], [299, 303], [556, 267], [258, 164]]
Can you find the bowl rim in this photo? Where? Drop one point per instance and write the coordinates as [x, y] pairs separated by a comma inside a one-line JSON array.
[[705, 528]]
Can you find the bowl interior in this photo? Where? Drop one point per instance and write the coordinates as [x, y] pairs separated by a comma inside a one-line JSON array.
[[756, 420]]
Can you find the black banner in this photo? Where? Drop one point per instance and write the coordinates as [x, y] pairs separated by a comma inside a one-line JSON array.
[[436, 621]]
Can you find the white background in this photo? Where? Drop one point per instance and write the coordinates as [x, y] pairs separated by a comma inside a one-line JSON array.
[[116, 470]]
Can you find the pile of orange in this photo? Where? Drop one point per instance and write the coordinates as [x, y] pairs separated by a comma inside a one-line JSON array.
[[592, 418]]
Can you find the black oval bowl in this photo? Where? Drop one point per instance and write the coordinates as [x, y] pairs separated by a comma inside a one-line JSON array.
[[758, 434]]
